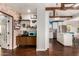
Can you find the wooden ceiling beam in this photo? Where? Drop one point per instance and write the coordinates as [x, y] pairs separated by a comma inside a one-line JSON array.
[[68, 3], [54, 12], [73, 5], [62, 5], [52, 8], [60, 16], [59, 8]]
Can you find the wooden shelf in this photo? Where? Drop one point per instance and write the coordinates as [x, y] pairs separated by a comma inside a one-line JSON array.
[[60, 16]]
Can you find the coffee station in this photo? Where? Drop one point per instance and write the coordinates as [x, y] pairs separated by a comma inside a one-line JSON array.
[[27, 32]]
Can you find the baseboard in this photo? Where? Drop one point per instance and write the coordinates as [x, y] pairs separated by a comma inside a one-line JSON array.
[[50, 38], [41, 49], [63, 45], [60, 43], [15, 47]]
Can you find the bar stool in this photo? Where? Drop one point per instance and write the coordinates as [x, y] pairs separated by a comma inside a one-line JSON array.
[[76, 40]]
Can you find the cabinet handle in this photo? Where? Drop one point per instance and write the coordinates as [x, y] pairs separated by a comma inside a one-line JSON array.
[[8, 32], [8, 21]]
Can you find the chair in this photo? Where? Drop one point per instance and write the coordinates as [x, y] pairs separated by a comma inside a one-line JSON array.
[[76, 40]]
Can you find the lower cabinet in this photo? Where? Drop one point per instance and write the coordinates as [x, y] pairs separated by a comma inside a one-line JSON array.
[[26, 40]]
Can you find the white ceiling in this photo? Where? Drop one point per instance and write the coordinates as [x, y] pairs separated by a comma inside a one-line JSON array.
[[66, 12], [61, 19], [69, 5], [23, 7]]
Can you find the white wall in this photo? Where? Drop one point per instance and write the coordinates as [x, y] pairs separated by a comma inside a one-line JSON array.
[[42, 29], [16, 33], [26, 29], [47, 29], [9, 10], [0, 31], [28, 16], [74, 25], [50, 31]]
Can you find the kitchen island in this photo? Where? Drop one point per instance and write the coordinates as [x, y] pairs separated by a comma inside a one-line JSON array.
[[65, 38]]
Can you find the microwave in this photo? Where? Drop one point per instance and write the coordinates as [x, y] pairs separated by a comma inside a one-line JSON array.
[[32, 33]]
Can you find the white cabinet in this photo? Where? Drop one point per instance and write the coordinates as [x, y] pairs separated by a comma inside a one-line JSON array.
[[65, 39], [68, 39], [60, 38]]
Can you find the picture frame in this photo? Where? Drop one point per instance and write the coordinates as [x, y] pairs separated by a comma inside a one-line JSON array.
[[16, 25], [34, 17], [33, 21]]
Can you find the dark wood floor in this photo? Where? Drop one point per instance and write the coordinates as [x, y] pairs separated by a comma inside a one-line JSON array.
[[55, 49]]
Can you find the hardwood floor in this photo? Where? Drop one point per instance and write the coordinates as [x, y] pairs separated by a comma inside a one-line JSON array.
[[23, 51], [55, 49]]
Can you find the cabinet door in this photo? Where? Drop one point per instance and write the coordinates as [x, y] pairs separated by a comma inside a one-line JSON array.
[[31, 41], [17, 40], [23, 40], [34, 40], [28, 41]]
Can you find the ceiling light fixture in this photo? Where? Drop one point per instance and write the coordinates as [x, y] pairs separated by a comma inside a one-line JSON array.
[[0, 13], [28, 10], [57, 18]]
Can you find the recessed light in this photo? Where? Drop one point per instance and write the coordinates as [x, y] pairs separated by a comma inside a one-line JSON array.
[[0, 13], [28, 10], [57, 18]]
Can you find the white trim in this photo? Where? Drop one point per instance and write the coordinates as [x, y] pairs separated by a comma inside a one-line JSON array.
[[41, 49], [0, 50], [15, 47]]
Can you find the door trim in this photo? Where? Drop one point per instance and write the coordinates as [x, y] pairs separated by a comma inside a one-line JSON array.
[[12, 27]]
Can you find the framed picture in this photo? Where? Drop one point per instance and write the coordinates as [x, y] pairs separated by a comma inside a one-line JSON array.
[[23, 25], [34, 17], [33, 21], [69, 27], [16, 25]]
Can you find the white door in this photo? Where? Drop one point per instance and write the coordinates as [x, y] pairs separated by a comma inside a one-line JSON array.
[[6, 32], [3, 32], [9, 32]]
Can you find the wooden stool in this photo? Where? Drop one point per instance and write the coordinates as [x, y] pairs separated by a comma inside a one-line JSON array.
[[76, 41]]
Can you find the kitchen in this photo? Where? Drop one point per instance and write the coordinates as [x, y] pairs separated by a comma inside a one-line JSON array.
[[68, 32]]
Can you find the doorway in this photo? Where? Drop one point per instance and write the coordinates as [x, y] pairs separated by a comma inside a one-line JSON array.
[[55, 27], [5, 31]]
